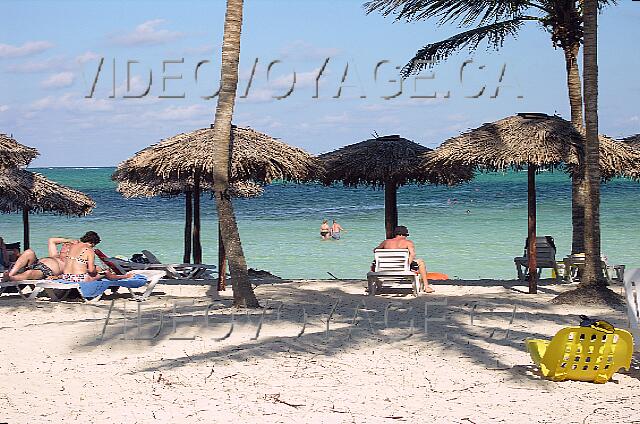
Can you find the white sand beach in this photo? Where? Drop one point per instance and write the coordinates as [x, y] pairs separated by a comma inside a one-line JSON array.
[[60, 363]]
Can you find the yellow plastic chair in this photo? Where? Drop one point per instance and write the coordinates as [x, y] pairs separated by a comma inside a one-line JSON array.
[[582, 353]]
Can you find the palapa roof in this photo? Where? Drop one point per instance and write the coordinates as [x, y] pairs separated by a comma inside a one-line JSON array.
[[254, 157], [127, 188], [14, 154], [21, 189], [517, 141], [633, 140], [375, 161]]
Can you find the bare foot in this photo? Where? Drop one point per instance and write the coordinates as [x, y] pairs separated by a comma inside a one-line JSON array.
[[5, 276], [428, 289]]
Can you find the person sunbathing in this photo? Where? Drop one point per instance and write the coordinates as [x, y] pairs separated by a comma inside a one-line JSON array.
[[400, 241], [79, 265], [29, 267]]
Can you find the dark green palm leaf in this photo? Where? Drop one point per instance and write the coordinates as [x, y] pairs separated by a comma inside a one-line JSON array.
[[495, 34]]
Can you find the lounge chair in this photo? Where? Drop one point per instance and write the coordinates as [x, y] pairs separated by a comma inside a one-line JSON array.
[[632, 291], [545, 258], [18, 287], [391, 270], [582, 353], [574, 263], [173, 271], [92, 291]]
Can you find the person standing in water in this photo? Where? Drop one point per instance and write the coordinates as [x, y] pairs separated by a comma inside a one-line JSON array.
[[336, 229], [325, 231]]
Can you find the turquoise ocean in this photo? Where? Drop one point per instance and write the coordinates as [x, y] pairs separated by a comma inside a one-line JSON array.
[[469, 231]]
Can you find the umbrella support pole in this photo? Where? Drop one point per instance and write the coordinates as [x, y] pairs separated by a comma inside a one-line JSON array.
[[532, 248], [390, 207], [188, 217], [197, 245], [25, 228]]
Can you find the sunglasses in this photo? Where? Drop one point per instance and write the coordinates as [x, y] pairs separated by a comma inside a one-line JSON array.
[[597, 324]]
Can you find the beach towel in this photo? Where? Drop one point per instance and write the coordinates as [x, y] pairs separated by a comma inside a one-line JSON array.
[[93, 289]]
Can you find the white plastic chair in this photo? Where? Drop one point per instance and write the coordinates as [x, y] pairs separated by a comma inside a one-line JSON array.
[[632, 291], [392, 270]]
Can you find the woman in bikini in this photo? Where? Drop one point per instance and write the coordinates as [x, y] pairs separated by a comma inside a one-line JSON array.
[[80, 266], [325, 230]]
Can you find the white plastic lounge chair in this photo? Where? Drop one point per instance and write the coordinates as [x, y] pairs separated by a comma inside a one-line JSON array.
[[181, 271], [391, 270], [57, 290], [545, 258], [19, 286], [573, 264], [173, 271], [632, 291]]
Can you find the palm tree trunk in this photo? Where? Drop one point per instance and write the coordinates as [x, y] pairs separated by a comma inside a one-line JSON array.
[[222, 264], [243, 294], [593, 266], [197, 243], [578, 182], [188, 216]]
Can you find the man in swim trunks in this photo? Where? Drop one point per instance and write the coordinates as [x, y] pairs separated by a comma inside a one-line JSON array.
[[400, 241], [335, 230], [29, 267]]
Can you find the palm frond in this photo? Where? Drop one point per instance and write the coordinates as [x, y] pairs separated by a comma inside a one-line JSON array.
[[465, 12], [495, 34]]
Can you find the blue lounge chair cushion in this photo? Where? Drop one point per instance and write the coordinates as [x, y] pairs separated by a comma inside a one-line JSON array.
[[93, 289]]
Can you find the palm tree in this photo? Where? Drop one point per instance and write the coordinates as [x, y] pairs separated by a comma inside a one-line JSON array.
[[497, 20], [593, 271], [243, 294]]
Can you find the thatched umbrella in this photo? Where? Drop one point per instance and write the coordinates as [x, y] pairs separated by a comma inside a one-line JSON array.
[[389, 161], [633, 140], [24, 191], [535, 141], [14, 154], [244, 189], [255, 157]]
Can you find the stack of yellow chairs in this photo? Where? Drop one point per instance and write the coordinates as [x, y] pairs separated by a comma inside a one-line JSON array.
[[582, 353]]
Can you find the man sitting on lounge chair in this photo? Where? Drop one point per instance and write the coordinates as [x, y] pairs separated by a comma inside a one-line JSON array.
[[400, 241]]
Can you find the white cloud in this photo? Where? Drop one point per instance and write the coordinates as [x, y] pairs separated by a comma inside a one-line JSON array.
[[74, 102], [303, 50], [183, 112], [4, 108], [343, 118], [40, 65], [146, 34], [201, 50], [27, 49], [87, 56], [60, 80]]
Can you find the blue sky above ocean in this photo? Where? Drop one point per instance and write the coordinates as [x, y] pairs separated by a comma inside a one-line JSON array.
[[50, 50]]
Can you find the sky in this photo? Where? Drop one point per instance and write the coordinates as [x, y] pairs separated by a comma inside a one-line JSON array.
[[151, 51]]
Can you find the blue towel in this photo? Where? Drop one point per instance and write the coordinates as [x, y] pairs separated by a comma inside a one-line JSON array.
[[95, 288]]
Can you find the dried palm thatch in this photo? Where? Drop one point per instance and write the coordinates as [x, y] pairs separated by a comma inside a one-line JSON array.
[[14, 154], [633, 140], [254, 157], [36, 193], [238, 189], [377, 161], [388, 161], [536, 139]]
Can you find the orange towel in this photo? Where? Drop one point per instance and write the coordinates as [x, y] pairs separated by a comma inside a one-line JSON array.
[[437, 276]]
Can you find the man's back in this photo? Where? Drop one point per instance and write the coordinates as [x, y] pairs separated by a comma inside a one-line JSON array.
[[396, 243]]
